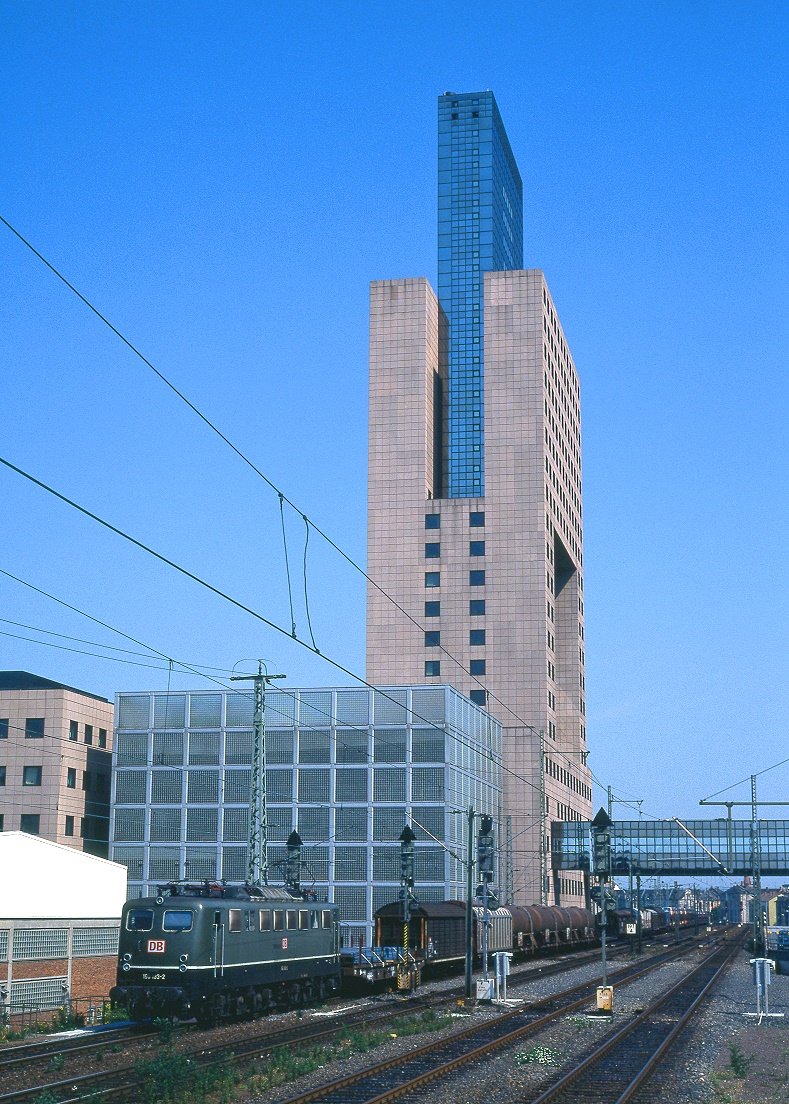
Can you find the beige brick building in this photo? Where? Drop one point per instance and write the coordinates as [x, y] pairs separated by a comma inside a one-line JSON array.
[[489, 585], [55, 761]]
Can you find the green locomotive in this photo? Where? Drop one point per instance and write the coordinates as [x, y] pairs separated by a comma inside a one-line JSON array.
[[216, 952]]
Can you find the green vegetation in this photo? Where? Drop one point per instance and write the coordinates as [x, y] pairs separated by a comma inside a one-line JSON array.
[[541, 1055], [738, 1063], [172, 1078]]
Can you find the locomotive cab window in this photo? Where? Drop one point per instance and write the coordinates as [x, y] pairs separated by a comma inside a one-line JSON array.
[[139, 920], [279, 920], [234, 920], [177, 920], [304, 919], [326, 918], [293, 918], [265, 919], [315, 919]]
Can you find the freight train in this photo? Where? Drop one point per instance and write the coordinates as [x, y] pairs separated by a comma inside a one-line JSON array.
[[437, 936], [654, 921], [215, 952]]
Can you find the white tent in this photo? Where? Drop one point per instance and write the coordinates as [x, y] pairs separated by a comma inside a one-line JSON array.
[[41, 879]]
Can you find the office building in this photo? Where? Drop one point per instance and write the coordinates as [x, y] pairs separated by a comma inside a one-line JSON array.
[[475, 540], [55, 761], [347, 768]]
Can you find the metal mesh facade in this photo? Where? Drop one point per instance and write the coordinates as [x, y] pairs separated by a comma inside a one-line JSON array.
[[346, 768]]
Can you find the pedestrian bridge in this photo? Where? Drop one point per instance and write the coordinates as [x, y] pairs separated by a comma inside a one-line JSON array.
[[656, 847]]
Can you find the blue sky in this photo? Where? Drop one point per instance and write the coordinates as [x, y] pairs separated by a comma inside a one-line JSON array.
[[223, 181]]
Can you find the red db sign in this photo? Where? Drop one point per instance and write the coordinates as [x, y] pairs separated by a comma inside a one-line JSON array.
[[156, 946]]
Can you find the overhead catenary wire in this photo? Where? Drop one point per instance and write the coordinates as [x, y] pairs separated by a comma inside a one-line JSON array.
[[242, 455]]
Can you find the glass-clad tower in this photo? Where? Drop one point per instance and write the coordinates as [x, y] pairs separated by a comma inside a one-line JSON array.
[[480, 229], [475, 519]]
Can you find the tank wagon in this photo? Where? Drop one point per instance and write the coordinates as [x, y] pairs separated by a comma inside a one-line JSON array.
[[437, 936], [218, 952]]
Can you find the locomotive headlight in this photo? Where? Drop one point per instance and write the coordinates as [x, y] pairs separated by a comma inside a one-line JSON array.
[[127, 957], [182, 968], [184, 958], [126, 966]]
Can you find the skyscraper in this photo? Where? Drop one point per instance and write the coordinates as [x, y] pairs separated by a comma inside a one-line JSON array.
[[474, 500]]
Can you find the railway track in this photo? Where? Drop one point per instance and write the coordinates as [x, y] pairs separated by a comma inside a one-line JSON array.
[[406, 1073], [616, 1070], [119, 1083]]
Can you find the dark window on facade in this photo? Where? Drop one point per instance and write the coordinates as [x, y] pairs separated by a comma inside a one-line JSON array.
[[73, 730], [432, 578], [476, 519], [432, 667], [476, 636], [432, 609], [432, 550], [71, 777], [30, 822], [476, 578], [479, 697], [87, 781], [69, 829], [2, 821], [432, 639], [476, 607], [3, 728], [31, 776], [432, 521], [476, 548], [2, 776], [477, 666], [102, 737], [88, 734], [34, 728]]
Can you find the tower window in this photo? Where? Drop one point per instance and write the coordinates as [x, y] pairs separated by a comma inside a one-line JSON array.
[[476, 548], [476, 607], [476, 519], [432, 639], [432, 609], [476, 637], [476, 667], [476, 578], [432, 667], [432, 521], [479, 697], [432, 578], [432, 550]]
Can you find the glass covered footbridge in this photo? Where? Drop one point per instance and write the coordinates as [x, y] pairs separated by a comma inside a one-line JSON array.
[[722, 846]]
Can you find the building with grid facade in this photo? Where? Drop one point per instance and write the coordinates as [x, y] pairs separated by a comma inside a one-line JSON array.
[[474, 493], [347, 768], [55, 761]]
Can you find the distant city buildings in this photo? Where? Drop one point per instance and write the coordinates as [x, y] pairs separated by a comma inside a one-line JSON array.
[[475, 517], [55, 761], [347, 768]]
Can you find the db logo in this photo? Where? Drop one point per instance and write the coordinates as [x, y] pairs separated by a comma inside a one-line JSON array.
[[284, 942], [155, 946]]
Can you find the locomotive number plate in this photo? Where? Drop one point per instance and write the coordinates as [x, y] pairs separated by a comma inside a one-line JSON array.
[[156, 946], [284, 942]]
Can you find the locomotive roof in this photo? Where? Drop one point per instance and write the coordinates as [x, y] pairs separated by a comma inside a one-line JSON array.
[[219, 890]]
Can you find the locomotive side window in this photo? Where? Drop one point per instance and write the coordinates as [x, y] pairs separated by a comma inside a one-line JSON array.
[[234, 919], [315, 918], [139, 920], [249, 921], [326, 918], [177, 920], [304, 919], [293, 918], [279, 920], [265, 919]]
